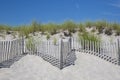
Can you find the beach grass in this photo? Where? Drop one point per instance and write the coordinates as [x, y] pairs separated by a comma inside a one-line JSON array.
[[101, 26]]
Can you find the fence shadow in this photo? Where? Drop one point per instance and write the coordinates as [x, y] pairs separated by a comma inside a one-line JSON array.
[[8, 63]]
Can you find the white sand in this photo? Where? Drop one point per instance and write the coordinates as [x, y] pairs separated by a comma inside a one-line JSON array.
[[87, 67]]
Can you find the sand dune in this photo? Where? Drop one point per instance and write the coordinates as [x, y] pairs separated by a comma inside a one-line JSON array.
[[87, 67]]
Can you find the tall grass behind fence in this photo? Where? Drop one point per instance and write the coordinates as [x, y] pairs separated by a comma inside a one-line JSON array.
[[10, 49], [105, 50], [58, 53], [48, 47]]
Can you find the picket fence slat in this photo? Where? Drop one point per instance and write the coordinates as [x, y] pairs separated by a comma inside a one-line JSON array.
[[9, 49]]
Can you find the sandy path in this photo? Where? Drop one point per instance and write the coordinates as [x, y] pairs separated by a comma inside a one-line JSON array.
[[87, 67]]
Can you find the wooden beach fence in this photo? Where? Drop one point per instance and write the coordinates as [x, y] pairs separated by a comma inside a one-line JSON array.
[[109, 51], [61, 53], [10, 49], [58, 54]]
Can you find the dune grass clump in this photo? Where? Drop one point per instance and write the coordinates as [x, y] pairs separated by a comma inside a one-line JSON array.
[[70, 26], [30, 44], [43, 29], [24, 31], [100, 26], [89, 24], [54, 40], [117, 32], [51, 28], [89, 41], [48, 36], [5, 28], [34, 27], [81, 28], [115, 26], [88, 36]]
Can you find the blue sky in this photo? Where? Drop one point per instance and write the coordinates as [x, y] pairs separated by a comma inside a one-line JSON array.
[[17, 12]]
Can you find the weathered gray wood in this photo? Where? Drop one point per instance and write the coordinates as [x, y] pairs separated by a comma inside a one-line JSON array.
[[61, 55], [106, 50], [57, 54], [9, 49], [118, 51]]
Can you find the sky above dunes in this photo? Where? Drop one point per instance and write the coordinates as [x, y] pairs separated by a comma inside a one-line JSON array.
[[16, 12]]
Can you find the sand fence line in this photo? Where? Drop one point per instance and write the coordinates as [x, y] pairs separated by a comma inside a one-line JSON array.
[[60, 53]]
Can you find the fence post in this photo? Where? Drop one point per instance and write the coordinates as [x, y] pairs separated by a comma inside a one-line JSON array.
[[118, 52], [23, 46], [70, 43], [61, 55], [66, 53]]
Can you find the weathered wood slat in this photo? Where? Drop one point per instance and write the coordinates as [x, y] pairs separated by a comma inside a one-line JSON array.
[[9, 49]]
